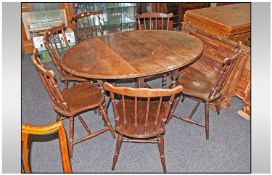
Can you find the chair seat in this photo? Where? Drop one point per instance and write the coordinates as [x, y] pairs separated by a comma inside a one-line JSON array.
[[82, 97], [196, 85], [65, 76], [130, 130]]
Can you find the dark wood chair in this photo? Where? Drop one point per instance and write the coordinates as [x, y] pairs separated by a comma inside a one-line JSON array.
[[58, 45], [201, 88], [154, 21], [73, 101], [140, 115], [45, 130], [88, 25]]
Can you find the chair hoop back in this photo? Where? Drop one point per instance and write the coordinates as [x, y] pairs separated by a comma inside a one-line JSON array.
[[49, 82]]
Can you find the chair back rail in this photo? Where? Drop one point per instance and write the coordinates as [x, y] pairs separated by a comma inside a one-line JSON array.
[[47, 77], [55, 44], [143, 100], [153, 21], [88, 25], [225, 72]]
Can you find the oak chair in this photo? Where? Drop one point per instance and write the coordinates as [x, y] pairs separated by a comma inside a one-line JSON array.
[[56, 42], [73, 101], [88, 25], [45, 130], [201, 88], [141, 115], [154, 21]]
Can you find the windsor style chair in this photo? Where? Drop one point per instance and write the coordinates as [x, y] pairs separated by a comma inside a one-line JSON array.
[[73, 101], [154, 21], [45, 130], [56, 42], [201, 88], [88, 25], [140, 115]]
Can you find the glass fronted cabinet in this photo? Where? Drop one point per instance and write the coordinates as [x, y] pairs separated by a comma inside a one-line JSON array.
[[118, 17]]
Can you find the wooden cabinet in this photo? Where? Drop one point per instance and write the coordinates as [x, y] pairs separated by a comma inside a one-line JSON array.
[[231, 22]]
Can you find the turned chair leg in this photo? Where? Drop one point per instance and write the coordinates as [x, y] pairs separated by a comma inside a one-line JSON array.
[[207, 120], [183, 98], [106, 120], [173, 108], [106, 111], [117, 150], [217, 106], [161, 150], [66, 85], [71, 136], [164, 80]]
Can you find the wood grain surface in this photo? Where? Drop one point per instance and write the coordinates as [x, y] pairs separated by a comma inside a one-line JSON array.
[[132, 54]]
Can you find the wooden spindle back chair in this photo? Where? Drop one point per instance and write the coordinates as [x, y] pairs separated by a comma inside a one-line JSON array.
[[88, 25], [56, 42], [225, 72], [154, 21], [47, 77], [73, 101], [200, 88], [141, 114], [45, 130]]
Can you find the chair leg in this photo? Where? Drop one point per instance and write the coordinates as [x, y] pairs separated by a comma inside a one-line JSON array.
[[106, 111], [84, 124], [161, 150], [164, 80], [63, 149], [207, 120], [71, 136], [217, 108], [183, 98], [106, 119], [194, 110], [25, 153], [117, 150], [66, 85], [173, 108]]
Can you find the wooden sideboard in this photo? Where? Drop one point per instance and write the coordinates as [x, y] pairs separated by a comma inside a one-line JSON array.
[[231, 22]]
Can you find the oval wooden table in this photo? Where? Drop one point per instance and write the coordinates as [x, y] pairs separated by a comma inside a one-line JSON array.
[[134, 54]]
